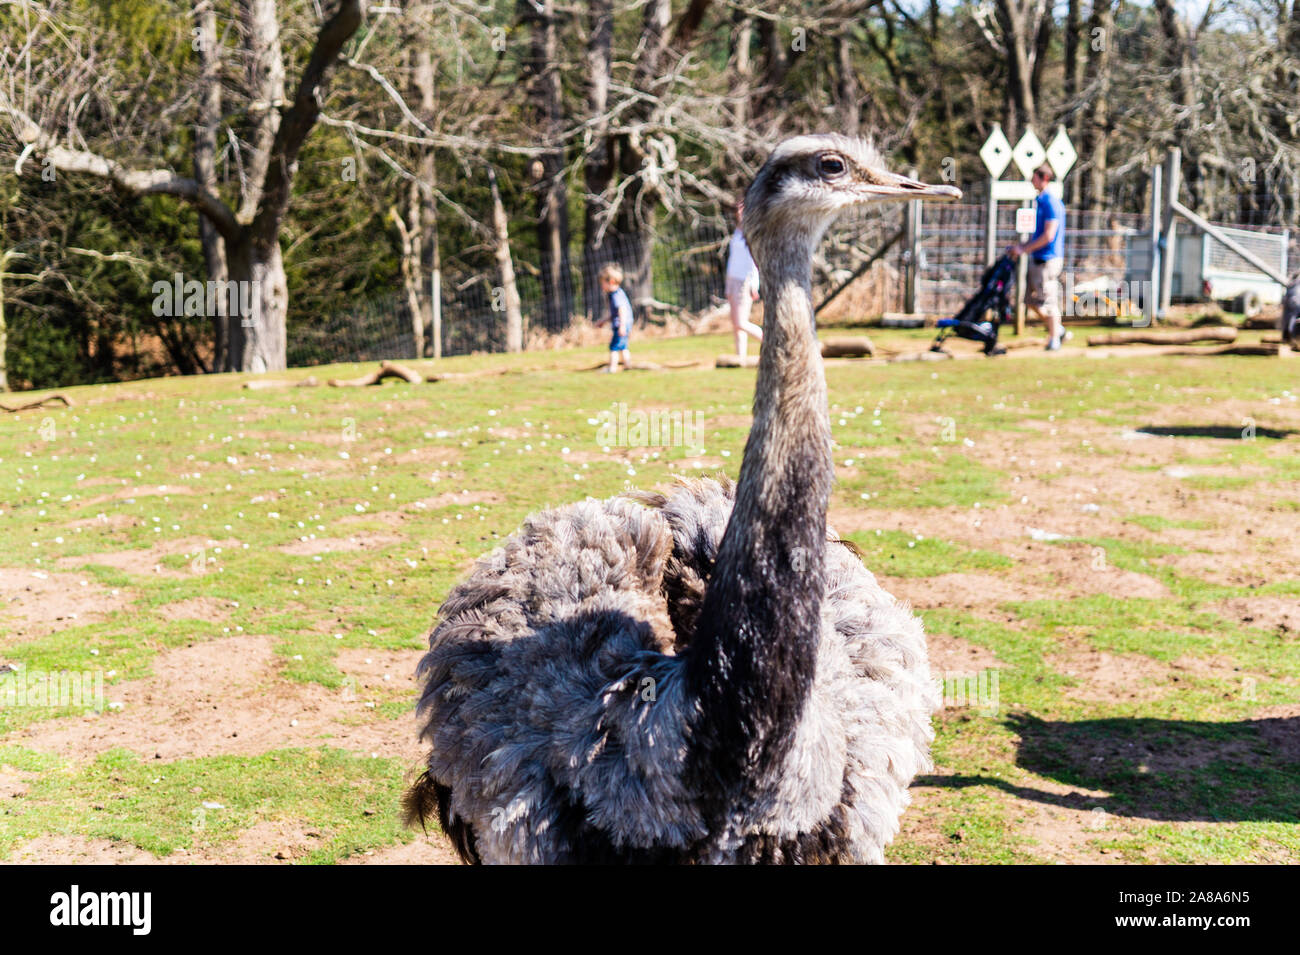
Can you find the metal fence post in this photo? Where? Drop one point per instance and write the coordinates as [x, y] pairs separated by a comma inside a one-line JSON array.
[[991, 228], [913, 228], [1167, 253], [1152, 295]]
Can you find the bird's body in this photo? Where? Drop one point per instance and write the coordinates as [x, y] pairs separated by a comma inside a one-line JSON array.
[[703, 677]]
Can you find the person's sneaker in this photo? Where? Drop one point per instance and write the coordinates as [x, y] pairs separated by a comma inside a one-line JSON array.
[[1066, 335], [1053, 344]]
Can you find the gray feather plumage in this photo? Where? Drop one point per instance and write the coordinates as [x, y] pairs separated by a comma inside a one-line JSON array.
[[538, 681]]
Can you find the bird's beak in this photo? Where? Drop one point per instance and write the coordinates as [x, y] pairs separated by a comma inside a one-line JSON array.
[[888, 185]]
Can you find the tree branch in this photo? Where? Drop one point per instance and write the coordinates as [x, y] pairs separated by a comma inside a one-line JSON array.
[[298, 121], [138, 181]]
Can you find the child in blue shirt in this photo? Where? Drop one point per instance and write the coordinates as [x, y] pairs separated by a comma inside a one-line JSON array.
[[620, 315]]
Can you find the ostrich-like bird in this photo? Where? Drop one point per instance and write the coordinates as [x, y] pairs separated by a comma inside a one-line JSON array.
[[707, 676]]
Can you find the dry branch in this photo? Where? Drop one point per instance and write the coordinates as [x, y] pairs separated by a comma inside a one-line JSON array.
[[387, 369], [39, 402]]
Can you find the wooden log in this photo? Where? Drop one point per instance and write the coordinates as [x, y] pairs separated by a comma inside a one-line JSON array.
[[735, 361], [39, 402], [261, 384], [856, 347], [1271, 350], [1148, 336], [1022, 341], [924, 356], [387, 369]]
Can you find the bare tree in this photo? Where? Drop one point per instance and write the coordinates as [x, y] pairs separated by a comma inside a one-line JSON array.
[[251, 232], [541, 69], [206, 129], [506, 269]]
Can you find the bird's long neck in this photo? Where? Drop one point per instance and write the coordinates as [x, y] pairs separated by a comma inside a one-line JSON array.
[[754, 650]]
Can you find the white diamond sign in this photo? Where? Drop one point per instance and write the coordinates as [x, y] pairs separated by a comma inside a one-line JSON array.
[[1028, 154], [996, 152], [1061, 153]]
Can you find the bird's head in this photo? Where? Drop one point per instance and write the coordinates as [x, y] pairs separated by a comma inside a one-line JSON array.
[[809, 180]]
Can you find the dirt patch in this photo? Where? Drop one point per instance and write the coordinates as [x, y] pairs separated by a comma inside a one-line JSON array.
[[34, 603], [964, 590], [1107, 677], [79, 850], [430, 849], [434, 453], [326, 545], [208, 609], [129, 493], [148, 562], [225, 697], [464, 498], [13, 783], [949, 654], [268, 842], [111, 521], [1280, 614], [1280, 728], [1066, 834]]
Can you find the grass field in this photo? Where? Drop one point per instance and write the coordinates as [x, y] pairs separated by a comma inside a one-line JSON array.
[[1104, 552]]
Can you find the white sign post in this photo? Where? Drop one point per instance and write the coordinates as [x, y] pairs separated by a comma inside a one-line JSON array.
[[1027, 155]]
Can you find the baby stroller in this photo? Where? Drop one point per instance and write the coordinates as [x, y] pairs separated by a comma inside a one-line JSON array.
[[972, 321]]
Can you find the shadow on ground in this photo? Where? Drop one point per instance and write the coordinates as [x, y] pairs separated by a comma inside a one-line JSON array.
[[1215, 431], [1159, 769]]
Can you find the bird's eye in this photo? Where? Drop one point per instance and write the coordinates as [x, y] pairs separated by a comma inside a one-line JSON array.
[[830, 166]]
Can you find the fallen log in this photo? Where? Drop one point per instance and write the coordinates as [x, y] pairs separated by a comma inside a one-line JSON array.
[[856, 347], [387, 369], [39, 402], [259, 385], [735, 361], [1271, 350], [1147, 336]]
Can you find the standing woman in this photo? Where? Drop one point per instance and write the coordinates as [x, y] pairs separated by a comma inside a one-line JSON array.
[[742, 286]]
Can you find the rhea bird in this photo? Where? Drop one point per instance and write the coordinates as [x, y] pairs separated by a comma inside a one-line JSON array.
[[707, 676]]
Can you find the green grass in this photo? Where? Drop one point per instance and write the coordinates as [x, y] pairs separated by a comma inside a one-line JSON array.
[[897, 554], [218, 486]]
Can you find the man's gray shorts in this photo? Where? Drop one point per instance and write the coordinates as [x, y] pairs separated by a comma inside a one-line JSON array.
[[1043, 285]]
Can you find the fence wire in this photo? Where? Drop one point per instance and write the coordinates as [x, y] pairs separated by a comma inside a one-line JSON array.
[[687, 268]]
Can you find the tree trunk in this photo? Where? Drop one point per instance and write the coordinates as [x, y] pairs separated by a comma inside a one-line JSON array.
[[547, 106], [1095, 119], [1180, 57], [422, 210], [846, 86], [506, 269], [4, 332], [1021, 23], [264, 75], [598, 166], [635, 219], [1072, 26], [258, 307], [205, 171]]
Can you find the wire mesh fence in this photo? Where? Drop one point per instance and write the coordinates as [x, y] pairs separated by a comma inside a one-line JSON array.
[[682, 271]]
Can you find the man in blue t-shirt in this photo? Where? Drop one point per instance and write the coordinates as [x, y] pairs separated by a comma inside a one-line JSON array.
[[1043, 285]]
